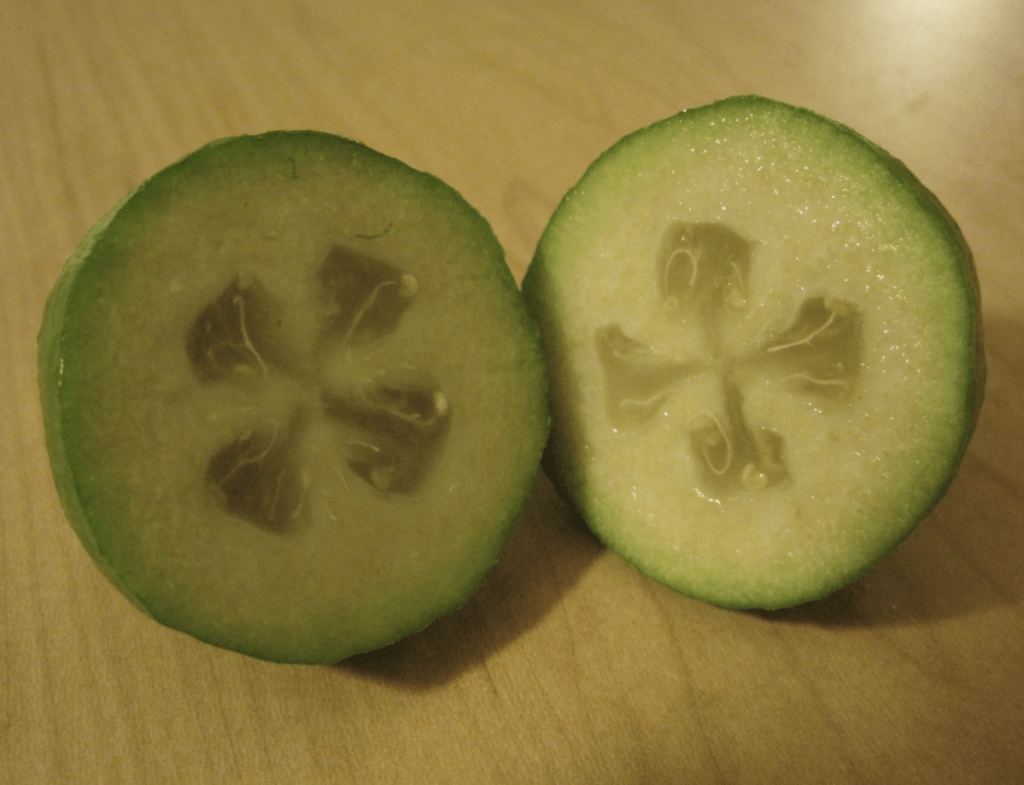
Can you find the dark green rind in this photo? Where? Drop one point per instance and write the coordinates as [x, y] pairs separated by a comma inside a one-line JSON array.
[[558, 460], [50, 353], [53, 339]]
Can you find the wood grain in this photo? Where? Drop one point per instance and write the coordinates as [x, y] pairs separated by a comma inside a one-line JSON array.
[[567, 667]]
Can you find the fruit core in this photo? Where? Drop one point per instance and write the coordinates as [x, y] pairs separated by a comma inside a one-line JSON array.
[[702, 271], [392, 423]]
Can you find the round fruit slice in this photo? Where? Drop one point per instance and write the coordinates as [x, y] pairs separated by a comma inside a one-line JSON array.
[[293, 399], [765, 351]]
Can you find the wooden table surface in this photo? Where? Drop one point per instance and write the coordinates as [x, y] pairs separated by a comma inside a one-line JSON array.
[[567, 667]]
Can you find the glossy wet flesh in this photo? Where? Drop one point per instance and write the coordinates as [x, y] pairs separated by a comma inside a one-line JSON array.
[[701, 276], [390, 425]]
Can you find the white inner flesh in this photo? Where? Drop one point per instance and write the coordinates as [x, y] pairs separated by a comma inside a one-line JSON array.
[[856, 465], [361, 561]]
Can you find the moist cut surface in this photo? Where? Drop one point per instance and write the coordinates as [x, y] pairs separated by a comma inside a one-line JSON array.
[[294, 401], [765, 351]]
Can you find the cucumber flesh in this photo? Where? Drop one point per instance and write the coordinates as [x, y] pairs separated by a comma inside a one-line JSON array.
[[765, 349]]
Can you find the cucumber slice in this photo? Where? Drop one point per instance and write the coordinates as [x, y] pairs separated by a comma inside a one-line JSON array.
[[765, 350], [294, 402]]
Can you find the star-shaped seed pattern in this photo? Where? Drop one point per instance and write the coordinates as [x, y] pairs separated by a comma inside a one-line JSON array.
[[702, 274], [393, 423]]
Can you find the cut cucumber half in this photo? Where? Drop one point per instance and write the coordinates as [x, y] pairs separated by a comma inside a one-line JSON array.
[[293, 399], [765, 347]]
